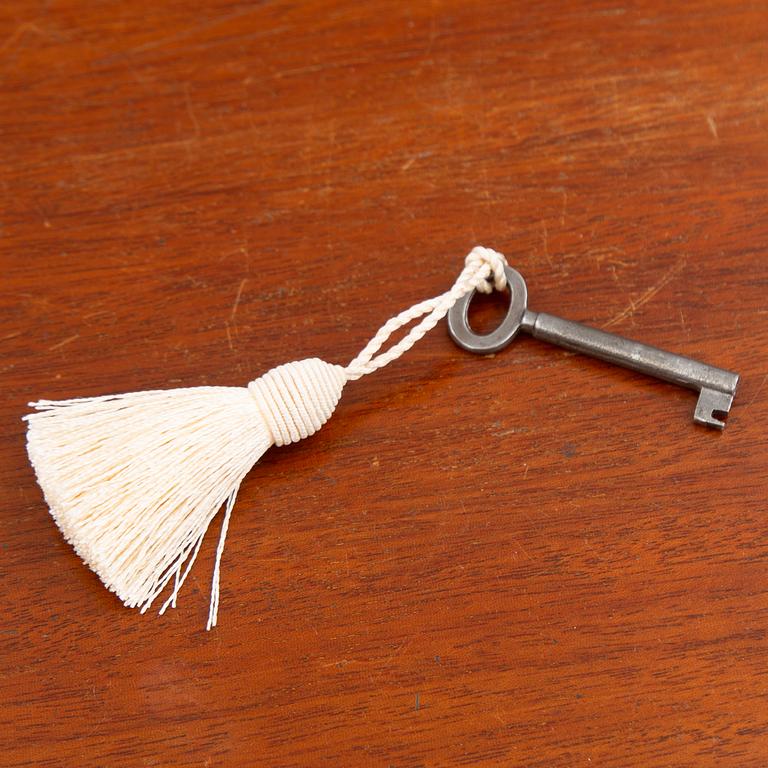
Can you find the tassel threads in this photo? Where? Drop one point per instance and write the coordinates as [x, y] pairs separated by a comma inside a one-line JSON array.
[[133, 481]]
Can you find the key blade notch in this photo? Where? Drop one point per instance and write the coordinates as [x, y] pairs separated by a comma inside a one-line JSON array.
[[712, 408]]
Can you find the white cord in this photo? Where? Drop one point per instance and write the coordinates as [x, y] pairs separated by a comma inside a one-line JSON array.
[[482, 266]]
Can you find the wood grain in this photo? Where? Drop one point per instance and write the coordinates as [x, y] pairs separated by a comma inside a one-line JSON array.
[[532, 559]]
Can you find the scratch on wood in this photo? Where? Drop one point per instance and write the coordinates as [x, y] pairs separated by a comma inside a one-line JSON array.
[[237, 298], [545, 238], [757, 392], [19, 32], [191, 111], [522, 549], [432, 38], [647, 295], [712, 126], [63, 343], [188, 32], [411, 160]]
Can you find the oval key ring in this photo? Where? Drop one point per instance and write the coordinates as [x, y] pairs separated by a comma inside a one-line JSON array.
[[517, 317]]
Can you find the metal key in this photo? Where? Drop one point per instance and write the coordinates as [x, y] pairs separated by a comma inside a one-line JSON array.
[[716, 387]]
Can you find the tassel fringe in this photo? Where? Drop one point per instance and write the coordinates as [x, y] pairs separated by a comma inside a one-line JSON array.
[[133, 481]]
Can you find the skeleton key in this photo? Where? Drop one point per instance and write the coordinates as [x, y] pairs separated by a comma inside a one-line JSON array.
[[716, 387]]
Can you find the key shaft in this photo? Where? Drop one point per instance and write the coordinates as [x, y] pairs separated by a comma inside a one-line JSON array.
[[716, 386]]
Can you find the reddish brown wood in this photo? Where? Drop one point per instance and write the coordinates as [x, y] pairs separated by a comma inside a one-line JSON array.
[[526, 560]]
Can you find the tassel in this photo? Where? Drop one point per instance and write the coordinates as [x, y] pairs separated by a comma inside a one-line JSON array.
[[133, 481]]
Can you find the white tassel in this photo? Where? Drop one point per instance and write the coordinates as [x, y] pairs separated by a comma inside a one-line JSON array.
[[133, 481]]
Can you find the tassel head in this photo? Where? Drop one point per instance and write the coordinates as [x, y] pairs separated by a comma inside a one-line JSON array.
[[296, 399]]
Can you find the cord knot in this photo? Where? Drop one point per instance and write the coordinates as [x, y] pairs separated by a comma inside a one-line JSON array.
[[487, 266], [297, 398]]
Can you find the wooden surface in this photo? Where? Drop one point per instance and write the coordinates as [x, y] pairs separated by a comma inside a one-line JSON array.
[[526, 560]]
